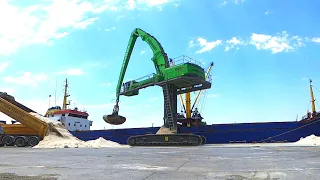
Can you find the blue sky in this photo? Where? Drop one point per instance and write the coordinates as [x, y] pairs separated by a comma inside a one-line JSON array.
[[264, 52]]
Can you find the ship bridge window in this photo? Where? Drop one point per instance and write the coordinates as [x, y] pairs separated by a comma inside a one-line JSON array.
[[78, 116]]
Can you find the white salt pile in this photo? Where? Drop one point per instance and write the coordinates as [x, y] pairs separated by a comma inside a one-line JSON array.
[[59, 137], [53, 141], [311, 140]]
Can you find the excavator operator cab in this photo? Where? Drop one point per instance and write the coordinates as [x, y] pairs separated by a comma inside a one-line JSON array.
[[126, 85]]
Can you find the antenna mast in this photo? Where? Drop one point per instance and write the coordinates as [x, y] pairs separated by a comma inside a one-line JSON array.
[[65, 103], [55, 95]]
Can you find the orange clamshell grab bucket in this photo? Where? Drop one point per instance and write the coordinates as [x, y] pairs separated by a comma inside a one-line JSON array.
[[114, 119]]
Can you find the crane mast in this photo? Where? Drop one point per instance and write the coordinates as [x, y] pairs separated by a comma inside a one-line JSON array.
[[313, 105], [66, 95]]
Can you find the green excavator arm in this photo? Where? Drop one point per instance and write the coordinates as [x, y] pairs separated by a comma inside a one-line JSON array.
[[159, 59]]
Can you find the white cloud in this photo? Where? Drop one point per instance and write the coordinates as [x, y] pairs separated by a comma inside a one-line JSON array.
[[238, 1], [50, 20], [120, 17], [153, 99], [176, 5], [84, 24], [131, 4], [106, 84], [38, 105], [110, 29], [100, 64], [7, 90], [316, 39], [223, 3], [267, 12], [191, 43], [142, 52], [72, 72], [231, 1], [113, 8], [27, 78], [99, 106], [4, 66], [153, 3], [205, 45], [232, 43], [213, 95], [279, 43], [41, 23], [146, 4]]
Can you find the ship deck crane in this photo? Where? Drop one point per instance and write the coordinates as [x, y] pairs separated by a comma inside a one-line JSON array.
[[314, 114], [174, 80]]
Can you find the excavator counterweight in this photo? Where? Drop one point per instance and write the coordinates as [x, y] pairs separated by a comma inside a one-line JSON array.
[[174, 79]]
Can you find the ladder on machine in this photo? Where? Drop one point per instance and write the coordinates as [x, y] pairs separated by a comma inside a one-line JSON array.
[[169, 114]]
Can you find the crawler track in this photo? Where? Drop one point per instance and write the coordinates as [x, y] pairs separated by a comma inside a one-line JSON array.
[[166, 140]]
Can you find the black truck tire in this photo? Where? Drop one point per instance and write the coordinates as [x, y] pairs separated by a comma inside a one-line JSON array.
[[8, 140], [20, 141], [32, 141]]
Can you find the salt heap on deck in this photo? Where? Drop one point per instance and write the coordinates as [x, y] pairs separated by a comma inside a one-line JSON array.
[[59, 137], [311, 140]]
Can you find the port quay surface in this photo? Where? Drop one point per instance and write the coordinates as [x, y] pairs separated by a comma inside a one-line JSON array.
[[153, 163]]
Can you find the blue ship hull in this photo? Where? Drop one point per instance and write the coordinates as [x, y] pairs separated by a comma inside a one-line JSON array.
[[221, 133]]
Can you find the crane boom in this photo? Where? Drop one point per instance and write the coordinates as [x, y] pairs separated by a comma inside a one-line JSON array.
[[159, 59]]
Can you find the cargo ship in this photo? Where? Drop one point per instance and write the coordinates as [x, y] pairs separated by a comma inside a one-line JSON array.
[[77, 123]]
